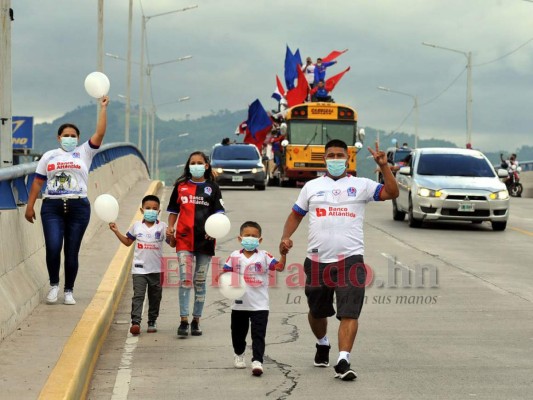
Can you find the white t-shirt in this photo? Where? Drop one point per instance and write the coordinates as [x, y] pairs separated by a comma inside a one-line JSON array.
[[336, 214], [148, 246], [309, 72], [67, 173], [256, 276]]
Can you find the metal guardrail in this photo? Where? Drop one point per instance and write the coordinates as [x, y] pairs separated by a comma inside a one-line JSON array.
[[16, 181], [526, 165]]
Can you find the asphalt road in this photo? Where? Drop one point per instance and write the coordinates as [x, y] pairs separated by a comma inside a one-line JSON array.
[[463, 331]]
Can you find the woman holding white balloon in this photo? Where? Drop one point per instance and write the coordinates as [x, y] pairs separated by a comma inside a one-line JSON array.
[[65, 209], [194, 199]]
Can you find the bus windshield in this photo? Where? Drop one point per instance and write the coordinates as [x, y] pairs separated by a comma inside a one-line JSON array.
[[321, 132]]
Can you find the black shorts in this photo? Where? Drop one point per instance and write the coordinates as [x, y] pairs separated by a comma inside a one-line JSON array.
[[346, 279]]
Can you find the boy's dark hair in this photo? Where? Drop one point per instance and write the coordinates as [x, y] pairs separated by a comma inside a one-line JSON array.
[[151, 197], [251, 224], [336, 143]]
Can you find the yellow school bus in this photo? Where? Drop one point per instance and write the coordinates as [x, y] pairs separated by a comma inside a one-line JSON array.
[[309, 127]]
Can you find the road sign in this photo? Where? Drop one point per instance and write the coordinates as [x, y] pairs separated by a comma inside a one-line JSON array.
[[22, 133]]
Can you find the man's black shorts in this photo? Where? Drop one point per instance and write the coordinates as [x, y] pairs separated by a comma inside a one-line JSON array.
[[345, 278]]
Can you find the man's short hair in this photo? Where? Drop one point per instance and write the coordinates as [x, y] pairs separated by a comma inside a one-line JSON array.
[[336, 143]]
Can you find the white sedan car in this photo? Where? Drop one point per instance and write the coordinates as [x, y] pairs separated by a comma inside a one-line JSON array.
[[451, 184]]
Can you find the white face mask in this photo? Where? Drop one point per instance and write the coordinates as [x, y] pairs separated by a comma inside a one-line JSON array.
[[197, 170], [69, 143]]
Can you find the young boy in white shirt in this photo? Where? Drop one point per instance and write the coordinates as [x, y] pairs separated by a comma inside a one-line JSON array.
[[146, 267], [253, 307]]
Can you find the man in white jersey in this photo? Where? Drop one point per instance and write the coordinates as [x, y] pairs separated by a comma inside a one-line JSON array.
[[334, 264]]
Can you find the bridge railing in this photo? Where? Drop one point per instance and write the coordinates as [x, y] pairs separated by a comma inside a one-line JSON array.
[[16, 181]]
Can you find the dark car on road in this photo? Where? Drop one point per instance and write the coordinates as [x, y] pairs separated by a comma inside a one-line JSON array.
[[238, 164]]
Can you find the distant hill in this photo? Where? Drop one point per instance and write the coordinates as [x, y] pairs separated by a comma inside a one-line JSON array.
[[206, 131]]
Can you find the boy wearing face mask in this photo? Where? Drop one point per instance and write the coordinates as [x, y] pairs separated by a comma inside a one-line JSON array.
[[146, 267], [252, 308]]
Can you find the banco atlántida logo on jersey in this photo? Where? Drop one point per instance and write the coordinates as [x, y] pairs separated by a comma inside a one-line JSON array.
[[334, 212]]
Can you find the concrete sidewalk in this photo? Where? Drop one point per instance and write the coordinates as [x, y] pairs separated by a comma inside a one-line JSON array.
[[30, 354]]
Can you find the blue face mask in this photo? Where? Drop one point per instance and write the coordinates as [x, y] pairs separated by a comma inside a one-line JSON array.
[[336, 167], [250, 243], [150, 215], [197, 170], [69, 143]]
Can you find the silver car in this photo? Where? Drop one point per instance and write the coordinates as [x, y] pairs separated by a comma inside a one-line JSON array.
[[451, 184]]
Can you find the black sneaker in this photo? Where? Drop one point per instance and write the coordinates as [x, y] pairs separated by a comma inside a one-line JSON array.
[[152, 327], [344, 372], [183, 329], [322, 355], [195, 329]]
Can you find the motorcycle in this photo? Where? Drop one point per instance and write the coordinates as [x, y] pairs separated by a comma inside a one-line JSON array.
[[514, 187]]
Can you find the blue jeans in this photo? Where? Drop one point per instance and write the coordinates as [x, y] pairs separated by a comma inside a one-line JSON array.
[[190, 276], [64, 222]]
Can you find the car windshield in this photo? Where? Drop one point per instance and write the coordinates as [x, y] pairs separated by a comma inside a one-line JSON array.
[[235, 153], [321, 132], [454, 165]]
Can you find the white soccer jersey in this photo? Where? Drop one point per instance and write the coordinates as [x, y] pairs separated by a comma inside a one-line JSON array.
[[256, 276], [148, 246], [336, 213], [67, 173]]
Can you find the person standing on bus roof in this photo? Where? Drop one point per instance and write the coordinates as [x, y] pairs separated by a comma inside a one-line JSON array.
[[309, 71], [320, 70]]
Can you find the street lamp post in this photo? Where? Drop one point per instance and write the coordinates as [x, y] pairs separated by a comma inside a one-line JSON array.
[[149, 67], [145, 20], [415, 107], [159, 141], [153, 163], [468, 56]]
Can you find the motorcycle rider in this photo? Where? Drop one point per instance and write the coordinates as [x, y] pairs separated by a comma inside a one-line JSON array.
[[512, 180]]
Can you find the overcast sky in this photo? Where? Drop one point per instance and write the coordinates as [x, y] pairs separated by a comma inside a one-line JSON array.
[[238, 47]]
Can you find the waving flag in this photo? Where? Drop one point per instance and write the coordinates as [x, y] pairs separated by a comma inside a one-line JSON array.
[[299, 93], [333, 55], [259, 125], [332, 82], [290, 68], [279, 93]]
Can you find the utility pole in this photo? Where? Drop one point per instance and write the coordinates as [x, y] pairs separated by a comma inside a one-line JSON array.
[[6, 133]]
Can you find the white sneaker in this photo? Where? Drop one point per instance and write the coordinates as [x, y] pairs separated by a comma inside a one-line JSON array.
[[238, 361], [257, 368], [51, 298], [69, 299]]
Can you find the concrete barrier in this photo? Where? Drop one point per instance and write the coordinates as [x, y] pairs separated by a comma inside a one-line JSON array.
[[23, 274], [526, 178]]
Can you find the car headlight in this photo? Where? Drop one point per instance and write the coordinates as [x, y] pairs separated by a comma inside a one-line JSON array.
[[254, 170], [220, 170], [501, 195], [423, 192]]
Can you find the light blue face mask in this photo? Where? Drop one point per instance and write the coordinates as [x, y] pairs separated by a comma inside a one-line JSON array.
[[69, 143], [250, 243], [197, 170], [336, 167], [150, 215]]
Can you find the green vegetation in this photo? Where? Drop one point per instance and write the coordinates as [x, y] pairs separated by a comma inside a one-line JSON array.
[[206, 131]]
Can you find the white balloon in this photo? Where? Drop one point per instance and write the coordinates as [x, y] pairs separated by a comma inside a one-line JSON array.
[[106, 207], [232, 285], [97, 84], [284, 142], [217, 225]]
